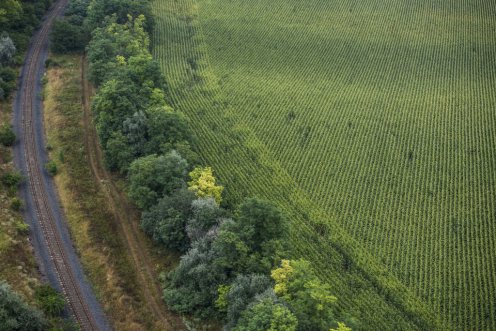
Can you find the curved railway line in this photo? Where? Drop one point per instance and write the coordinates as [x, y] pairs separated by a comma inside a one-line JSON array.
[[43, 206]]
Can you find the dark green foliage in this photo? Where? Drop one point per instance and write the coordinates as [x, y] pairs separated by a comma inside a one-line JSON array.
[[67, 37], [12, 179], [118, 153], [242, 292], [49, 300], [165, 222], [121, 9], [116, 40], [142, 70], [114, 102], [15, 204], [152, 177], [222, 251], [260, 221], [78, 8], [16, 315], [7, 136], [192, 286], [267, 314], [51, 167], [20, 17], [166, 129], [254, 240], [8, 77]]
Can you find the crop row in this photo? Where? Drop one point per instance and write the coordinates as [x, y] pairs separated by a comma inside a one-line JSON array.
[[388, 130]]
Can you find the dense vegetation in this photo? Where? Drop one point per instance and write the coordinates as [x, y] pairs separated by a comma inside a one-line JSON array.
[[15, 314], [226, 252], [18, 19], [370, 124]]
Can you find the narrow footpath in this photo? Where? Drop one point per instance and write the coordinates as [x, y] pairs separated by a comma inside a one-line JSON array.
[[49, 234]]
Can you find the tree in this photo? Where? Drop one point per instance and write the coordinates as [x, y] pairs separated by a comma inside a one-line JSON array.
[[242, 248], [260, 221], [67, 37], [232, 253], [99, 9], [7, 49], [10, 10], [118, 153], [15, 314], [205, 214], [165, 222], [152, 177], [115, 101], [203, 184], [268, 315], [135, 128], [114, 44], [241, 293], [310, 299], [166, 129]]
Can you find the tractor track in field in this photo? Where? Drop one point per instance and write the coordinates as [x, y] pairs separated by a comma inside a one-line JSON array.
[[55, 253], [126, 218]]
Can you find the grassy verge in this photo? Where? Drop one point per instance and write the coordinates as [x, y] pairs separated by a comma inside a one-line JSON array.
[[88, 214]]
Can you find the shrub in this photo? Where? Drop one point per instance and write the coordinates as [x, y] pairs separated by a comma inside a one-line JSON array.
[[22, 227], [12, 179], [51, 167], [15, 314], [15, 204], [7, 136], [49, 300]]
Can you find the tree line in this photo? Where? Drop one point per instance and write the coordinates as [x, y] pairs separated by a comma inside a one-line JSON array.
[[236, 264]]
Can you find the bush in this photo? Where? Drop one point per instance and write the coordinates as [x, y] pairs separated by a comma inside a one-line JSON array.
[[12, 179], [22, 227], [7, 136], [15, 314], [15, 204], [51, 167], [49, 300]]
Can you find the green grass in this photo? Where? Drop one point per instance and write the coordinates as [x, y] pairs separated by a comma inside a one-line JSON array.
[[371, 124]]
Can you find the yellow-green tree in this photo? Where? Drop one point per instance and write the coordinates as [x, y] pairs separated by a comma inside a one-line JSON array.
[[203, 184], [341, 327], [310, 299]]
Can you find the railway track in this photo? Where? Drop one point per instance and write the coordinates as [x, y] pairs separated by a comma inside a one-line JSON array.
[[43, 206]]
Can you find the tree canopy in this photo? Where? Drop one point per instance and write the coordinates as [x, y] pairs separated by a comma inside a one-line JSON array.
[[154, 176]]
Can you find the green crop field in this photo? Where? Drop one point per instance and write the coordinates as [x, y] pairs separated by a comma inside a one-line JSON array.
[[371, 123]]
